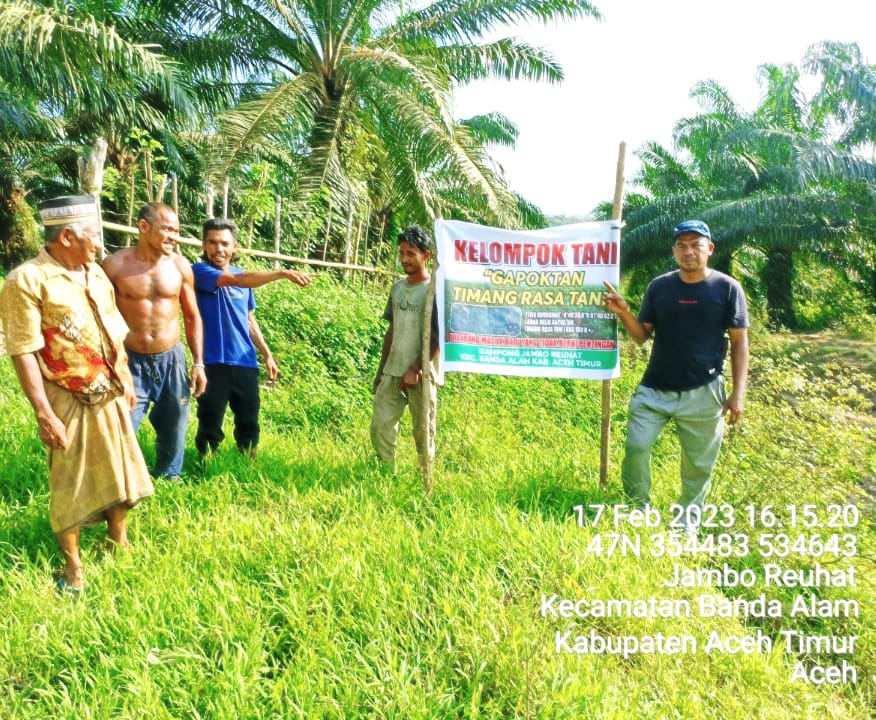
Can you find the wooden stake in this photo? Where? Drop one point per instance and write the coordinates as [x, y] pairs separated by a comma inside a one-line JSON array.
[[328, 230], [348, 235], [147, 172], [605, 435], [130, 206], [355, 255]]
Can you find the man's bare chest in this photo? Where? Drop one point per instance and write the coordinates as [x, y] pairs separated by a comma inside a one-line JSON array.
[[162, 282]]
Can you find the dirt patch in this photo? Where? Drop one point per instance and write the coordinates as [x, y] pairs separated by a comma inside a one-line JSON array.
[[830, 348]]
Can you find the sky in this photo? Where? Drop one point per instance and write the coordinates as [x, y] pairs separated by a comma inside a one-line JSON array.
[[629, 76]]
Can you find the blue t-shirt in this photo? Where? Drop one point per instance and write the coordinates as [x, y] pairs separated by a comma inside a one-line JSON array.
[[225, 314], [690, 321]]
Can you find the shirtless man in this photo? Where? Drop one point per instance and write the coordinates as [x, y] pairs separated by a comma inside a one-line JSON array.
[[152, 283]]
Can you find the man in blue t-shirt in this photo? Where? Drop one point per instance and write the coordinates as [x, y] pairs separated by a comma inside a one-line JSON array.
[[231, 337], [687, 311]]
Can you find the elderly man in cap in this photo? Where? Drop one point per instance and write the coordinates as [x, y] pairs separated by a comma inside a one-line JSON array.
[[688, 312], [66, 338]]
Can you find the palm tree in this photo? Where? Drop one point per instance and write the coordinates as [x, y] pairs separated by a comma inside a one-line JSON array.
[[847, 92], [355, 96], [68, 76], [772, 183]]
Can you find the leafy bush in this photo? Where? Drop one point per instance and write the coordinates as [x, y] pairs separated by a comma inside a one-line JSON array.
[[326, 339], [328, 324], [20, 236], [824, 297]]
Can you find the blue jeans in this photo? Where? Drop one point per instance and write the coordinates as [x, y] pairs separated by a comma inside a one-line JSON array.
[[163, 381], [699, 421]]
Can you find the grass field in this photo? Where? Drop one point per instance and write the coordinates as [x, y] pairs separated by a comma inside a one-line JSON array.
[[312, 585]]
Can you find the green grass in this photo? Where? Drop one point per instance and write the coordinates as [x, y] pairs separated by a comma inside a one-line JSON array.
[[311, 585]]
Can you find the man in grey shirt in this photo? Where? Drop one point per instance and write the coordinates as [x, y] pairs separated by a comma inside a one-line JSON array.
[[399, 381]]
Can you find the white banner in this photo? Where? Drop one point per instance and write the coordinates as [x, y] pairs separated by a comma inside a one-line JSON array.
[[528, 303]]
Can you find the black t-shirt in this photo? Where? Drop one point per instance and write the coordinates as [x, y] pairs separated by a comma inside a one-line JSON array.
[[690, 320]]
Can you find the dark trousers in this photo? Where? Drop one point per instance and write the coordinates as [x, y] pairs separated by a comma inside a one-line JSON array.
[[239, 388]]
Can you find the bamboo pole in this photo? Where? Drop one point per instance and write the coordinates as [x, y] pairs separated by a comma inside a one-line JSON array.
[[260, 253], [277, 210], [328, 230], [175, 193], [426, 382], [225, 199], [605, 434]]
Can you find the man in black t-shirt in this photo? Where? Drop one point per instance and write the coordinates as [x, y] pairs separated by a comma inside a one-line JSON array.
[[687, 311]]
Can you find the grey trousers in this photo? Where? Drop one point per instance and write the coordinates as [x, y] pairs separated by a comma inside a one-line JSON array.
[[389, 404], [699, 422]]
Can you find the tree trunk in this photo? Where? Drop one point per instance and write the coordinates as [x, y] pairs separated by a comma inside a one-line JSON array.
[[778, 279], [20, 237], [130, 208], [210, 201], [722, 262]]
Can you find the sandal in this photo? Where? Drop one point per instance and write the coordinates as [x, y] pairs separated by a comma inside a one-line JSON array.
[[65, 588]]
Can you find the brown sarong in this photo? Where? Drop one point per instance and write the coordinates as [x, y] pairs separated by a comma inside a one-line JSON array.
[[102, 465]]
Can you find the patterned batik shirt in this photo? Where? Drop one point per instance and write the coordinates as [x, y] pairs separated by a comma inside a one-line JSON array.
[[75, 329]]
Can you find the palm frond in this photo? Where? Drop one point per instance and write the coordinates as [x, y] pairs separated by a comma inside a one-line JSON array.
[[467, 21], [848, 88], [493, 129], [715, 99], [505, 59], [78, 65], [252, 125]]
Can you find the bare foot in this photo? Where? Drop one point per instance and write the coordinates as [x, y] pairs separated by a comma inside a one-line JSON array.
[[119, 545], [111, 546]]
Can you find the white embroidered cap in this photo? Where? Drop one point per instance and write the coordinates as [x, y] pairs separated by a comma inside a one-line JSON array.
[[68, 209]]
